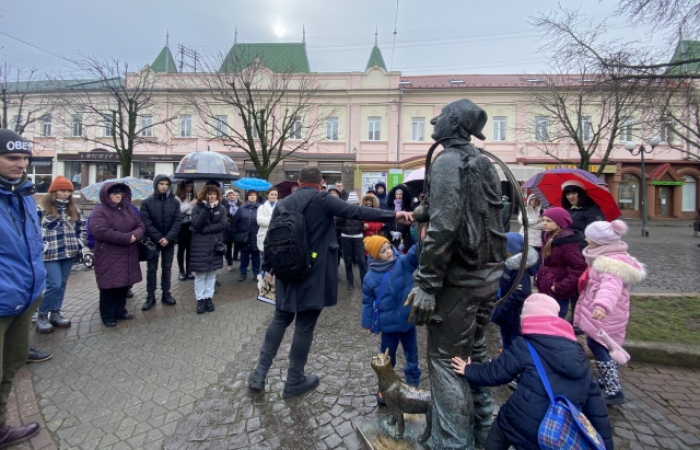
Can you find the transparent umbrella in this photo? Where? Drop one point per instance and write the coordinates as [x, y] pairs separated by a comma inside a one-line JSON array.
[[206, 165]]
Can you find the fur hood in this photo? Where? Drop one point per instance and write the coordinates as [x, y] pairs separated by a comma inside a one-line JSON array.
[[621, 265], [375, 200], [513, 263]]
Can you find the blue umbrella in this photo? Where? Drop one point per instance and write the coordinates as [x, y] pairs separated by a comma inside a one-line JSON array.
[[140, 188], [252, 184]]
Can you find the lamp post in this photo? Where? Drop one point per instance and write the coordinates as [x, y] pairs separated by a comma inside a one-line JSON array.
[[630, 146]]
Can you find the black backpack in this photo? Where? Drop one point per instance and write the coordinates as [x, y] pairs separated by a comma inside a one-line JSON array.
[[287, 244]]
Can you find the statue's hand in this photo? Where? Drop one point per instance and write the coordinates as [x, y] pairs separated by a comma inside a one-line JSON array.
[[423, 306]]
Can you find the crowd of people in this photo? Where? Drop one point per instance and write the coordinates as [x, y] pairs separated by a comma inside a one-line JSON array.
[[576, 259]]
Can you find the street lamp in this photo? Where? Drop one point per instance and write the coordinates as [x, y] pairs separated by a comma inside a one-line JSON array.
[[630, 146]]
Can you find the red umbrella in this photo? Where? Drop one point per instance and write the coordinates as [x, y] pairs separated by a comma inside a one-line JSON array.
[[548, 188]]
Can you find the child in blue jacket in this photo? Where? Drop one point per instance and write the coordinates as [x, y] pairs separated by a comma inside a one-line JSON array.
[[507, 315], [390, 278]]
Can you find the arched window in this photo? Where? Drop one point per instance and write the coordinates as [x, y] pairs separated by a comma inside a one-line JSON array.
[[690, 192], [628, 193]]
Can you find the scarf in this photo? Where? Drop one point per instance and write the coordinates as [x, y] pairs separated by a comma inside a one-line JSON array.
[[550, 326], [397, 206], [378, 265], [590, 254], [232, 208], [315, 186]]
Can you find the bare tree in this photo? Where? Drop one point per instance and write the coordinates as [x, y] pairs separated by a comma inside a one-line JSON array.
[[22, 98], [118, 109], [276, 113], [593, 111]]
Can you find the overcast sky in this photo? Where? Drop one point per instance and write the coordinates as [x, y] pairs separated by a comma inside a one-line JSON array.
[[432, 37]]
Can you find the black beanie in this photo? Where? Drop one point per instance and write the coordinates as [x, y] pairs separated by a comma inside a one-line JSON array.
[[11, 142]]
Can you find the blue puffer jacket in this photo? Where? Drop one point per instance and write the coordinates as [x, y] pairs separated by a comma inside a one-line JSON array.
[[568, 372], [22, 252], [393, 315]]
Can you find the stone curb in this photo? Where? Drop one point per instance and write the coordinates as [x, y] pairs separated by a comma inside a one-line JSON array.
[[22, 408]]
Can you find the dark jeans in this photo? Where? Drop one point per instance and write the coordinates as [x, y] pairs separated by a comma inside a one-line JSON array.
[[246, 256], [301, 342], [564, 307], [600, 353], [409, 342], [229, 253], [165, 254], [113, 303], [496, 440], [354, 249], [184, 240]]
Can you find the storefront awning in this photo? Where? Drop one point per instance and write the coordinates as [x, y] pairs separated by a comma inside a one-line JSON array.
[[522, 173]]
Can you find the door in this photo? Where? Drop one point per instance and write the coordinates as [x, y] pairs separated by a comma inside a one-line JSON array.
[[663, 201]]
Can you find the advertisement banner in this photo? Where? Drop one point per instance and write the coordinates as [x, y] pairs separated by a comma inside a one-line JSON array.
[[369, 179], [395, 178]]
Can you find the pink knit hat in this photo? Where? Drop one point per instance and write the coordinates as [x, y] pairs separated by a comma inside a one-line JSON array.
[[539, 305], [604, 233], [559, 215]]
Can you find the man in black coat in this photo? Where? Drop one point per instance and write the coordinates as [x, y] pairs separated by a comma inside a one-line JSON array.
[[305, 300], [160, 213]]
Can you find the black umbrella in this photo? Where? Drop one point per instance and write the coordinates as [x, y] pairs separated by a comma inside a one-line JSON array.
[[206, 165]]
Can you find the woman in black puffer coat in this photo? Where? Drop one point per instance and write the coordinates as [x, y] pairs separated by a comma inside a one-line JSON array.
[[246, 221], [209, 220], [582, 209]]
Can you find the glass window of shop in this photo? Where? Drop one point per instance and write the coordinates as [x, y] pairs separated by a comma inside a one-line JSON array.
[[628, 193], [106, 172], [71, 170], [689, 193], [144, 170], [291, 175], [41, 171]]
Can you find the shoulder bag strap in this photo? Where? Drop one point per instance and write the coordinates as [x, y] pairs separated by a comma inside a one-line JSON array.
[[540, 370]]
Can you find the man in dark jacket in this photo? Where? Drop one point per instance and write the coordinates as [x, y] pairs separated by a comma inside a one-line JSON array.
[[460, 268], [23, 273], [160, 213], [343, 193], [380, 189], [305, 300]]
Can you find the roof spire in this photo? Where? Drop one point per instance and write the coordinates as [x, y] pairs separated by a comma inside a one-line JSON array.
[[235, 35], [303, 34], [376, 33], [167, 38]]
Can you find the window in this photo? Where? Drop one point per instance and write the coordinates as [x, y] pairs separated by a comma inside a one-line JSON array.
[[584, 130], [146, 126], [40, 170], [108, 128], [625, 133], [46, 125], [666, 131], [291, 175], [295, 129], [144, 170], [417, 129], [332, 129], [17, 123], [221, 126], [375, 128], [628, 193], [499, 128], [542, 129], [690, 192], [71, 170], [76, 127], [185, 126]]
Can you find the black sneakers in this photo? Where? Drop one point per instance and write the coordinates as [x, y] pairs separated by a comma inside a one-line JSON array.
[[307, 384], [37, 356]]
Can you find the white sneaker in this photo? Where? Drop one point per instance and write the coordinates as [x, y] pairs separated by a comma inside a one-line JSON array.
[[35, 316], [229, 268]]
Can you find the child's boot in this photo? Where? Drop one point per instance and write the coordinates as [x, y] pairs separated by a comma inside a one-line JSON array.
[[611, 379]]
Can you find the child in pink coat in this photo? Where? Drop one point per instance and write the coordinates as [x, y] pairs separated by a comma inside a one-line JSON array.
[[604, 303]]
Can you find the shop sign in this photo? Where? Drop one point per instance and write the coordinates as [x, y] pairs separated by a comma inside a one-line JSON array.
[[95, 156], [395, 178]]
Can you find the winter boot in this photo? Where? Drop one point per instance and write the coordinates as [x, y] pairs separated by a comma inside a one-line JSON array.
[[149, 303], [611, 380], [12, 435], [306, 384], [43, 325], [256, 381], [200, 306], [57, 320], [208, 305]]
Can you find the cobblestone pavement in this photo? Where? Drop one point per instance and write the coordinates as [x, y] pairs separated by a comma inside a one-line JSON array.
[[174, 379]]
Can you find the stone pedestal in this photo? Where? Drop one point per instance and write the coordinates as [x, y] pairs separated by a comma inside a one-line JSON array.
[[377, 434]]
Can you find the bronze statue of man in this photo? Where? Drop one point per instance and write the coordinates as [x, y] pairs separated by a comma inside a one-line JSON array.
[[461, 264]]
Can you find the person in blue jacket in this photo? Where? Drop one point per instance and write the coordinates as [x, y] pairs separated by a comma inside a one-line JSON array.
[[390, 279], [567, 369], [507, 315], [23, 273]]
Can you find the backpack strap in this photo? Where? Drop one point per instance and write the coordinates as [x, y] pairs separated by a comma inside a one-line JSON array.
[[540, 370]]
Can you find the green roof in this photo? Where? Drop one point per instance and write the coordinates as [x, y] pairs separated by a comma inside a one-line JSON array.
[[684, 51], [376, 59], [164, 63], [281, 58]]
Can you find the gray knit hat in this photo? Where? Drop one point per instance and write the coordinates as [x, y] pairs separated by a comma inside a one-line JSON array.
[[353, 199]]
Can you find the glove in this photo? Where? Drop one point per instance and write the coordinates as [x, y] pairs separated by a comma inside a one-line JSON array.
[[395, 235], [402, 247], [423, 306]]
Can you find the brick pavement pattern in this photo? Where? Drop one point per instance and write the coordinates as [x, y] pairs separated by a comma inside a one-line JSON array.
[[173, 379]]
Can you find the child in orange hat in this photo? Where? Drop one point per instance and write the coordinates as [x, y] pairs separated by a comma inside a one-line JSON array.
[[384, 291]]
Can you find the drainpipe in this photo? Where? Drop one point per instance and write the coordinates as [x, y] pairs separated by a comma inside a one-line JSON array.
[[350, 128], [398, 137]]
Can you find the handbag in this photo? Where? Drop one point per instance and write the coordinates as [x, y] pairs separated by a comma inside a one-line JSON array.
[[219, 248], [564, 425], [374, 327], [147, 250]]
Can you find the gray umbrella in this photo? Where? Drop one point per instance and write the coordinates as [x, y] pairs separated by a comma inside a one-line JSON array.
[[206, 165]]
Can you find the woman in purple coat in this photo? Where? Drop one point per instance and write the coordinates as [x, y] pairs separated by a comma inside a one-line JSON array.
[[117, 230]]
